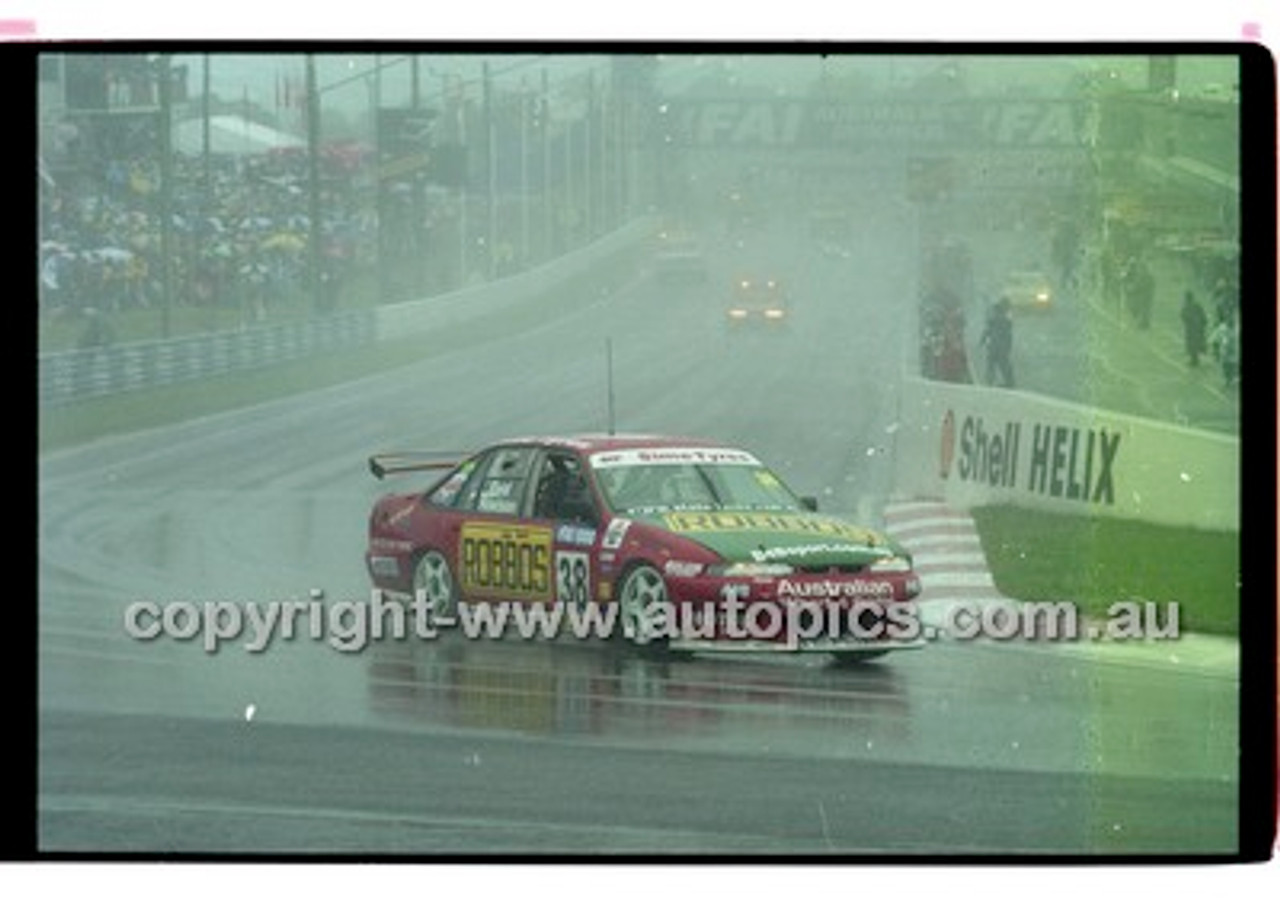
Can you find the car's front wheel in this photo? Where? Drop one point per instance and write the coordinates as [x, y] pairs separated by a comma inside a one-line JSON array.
[[433, 581], [642, 602]]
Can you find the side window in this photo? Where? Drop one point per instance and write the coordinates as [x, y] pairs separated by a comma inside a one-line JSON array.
[[562, 493], [467, 495], [449, 491], [501, 487]]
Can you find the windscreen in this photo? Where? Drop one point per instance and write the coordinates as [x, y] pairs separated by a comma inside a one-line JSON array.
[[639, 489]]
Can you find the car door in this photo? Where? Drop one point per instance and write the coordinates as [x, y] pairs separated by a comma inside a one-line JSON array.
[[500, 554], [562, 500]]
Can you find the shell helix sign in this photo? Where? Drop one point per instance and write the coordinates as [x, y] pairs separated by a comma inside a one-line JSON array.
[[1040, 458], [974, 446]]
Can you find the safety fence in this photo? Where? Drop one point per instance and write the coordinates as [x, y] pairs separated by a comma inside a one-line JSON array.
[[74, 375]]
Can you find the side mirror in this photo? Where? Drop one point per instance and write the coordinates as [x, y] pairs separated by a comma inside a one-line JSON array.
[[581, 513], [809, 503]]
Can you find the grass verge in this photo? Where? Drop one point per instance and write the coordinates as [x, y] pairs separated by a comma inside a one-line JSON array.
[[1096, 561]]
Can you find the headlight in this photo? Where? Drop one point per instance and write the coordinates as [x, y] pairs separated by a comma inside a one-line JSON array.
[[749, 569], [737, 313], [890, 564], [774, 313]]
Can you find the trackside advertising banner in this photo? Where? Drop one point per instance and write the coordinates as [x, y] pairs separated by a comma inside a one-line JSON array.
[[979, 445]]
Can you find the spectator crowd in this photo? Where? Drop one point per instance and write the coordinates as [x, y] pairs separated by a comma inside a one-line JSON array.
[[238, 237]]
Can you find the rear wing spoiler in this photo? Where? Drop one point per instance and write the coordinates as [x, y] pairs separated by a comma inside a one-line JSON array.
[[383, 464]]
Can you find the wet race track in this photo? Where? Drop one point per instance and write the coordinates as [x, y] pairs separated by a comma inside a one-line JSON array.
[[462, 746]]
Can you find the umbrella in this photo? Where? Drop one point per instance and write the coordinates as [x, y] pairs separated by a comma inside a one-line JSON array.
[[113, 254], [283, 241]]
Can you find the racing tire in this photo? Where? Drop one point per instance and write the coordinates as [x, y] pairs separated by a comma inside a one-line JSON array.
[[642, 588], [434, 578]]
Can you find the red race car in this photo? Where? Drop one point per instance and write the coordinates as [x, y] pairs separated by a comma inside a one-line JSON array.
[[685, 543]]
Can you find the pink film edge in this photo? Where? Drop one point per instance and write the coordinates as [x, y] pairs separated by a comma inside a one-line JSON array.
[[17, 27]]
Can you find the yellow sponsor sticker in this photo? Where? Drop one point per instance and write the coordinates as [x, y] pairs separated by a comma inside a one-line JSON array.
[[767, 479], [500, 561], [687, 522]]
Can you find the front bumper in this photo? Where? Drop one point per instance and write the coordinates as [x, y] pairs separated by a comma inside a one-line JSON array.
[[804, 612], [889, 586]]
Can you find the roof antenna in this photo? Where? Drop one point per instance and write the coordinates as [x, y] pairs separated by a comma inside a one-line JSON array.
[[608, 356]]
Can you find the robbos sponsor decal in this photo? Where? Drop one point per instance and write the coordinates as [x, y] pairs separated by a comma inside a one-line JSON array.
[[1048, 460], [502, 561], [782, 522]]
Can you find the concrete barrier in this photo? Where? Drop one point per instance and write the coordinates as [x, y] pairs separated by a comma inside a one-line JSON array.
[[418, 316], [972, 445], [74, 375]]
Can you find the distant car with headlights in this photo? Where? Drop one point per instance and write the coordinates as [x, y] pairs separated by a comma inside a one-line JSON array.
[[1028, 291], [688, 544], [757, 301]]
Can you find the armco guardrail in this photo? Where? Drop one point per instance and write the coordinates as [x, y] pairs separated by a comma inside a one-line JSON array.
[[80, 374], [74, 375]]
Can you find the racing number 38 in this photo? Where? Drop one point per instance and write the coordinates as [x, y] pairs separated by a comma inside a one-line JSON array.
[[573, 578]]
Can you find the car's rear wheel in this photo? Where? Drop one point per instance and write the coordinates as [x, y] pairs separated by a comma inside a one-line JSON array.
[[642, 594], [433, 580]]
